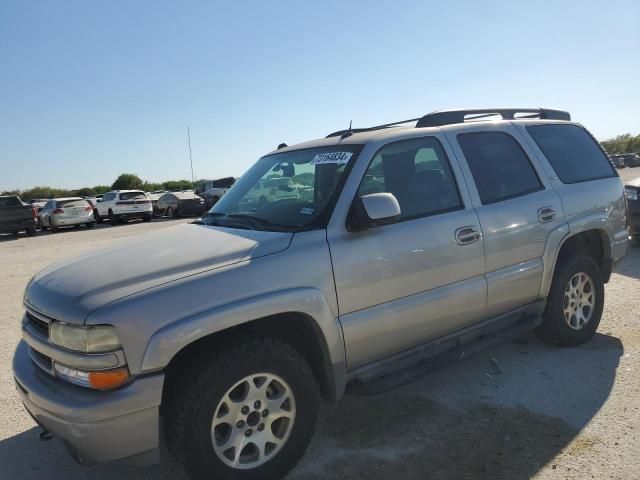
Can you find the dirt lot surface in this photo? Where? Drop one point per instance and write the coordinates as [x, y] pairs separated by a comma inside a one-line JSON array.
[[546, 413]]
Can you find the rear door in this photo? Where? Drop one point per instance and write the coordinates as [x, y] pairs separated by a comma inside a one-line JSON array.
[[517, 207], [421, 277]]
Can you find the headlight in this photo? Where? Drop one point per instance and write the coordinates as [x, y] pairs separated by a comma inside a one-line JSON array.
[[101, 338], [631, 193]]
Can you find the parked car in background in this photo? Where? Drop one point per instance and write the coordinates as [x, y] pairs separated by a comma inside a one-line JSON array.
[[17, 216], [222, 337], [181, 203], [213, 190], [123, 205], [630, 160], [38, 203], [617, 161], [631, 192], [66, 212], [153, 197]]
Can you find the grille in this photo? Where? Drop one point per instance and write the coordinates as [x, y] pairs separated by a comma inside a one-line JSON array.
[[40, 325]]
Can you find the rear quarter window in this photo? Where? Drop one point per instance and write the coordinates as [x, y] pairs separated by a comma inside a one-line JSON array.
[[572, 152]]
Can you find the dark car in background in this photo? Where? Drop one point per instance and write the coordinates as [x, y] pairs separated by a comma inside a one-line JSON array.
[[17, 216], [630, 159], [181, 203], [631, 192]]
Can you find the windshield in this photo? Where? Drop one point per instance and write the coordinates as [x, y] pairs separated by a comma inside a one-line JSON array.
[[285, 191]]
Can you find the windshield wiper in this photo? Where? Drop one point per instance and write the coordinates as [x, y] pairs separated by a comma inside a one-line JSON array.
[[263, 222]]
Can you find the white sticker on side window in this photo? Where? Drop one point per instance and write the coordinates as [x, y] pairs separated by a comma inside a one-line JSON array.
[[306, 211], [331, 157]]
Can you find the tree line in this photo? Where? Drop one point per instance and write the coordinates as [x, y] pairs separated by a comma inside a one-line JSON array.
[[626, 143], [125, 181]]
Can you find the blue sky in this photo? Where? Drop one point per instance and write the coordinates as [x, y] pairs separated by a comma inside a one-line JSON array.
[[90, 89]]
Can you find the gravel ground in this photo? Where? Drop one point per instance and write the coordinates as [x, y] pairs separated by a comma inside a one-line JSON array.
[[551, 413]]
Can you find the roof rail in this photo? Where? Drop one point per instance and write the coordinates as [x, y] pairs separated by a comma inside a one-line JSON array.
[[448, 117], [369, 129]]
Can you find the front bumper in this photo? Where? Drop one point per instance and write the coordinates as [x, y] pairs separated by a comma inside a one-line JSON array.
[[96, 426]]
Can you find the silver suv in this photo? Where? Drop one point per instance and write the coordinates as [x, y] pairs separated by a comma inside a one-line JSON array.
[[412, 243]]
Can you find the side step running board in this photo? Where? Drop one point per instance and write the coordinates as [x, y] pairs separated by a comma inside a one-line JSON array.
[[401, 376]]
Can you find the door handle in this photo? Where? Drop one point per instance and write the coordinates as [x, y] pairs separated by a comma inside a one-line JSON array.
[[546, 214], [467, 235]]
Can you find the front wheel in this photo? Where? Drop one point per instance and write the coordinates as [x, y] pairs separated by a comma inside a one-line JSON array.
[[247, 414], [575, 302]]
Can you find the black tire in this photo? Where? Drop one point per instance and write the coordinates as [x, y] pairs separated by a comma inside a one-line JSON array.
[[147, 218], [554, 328], [114, 219], [191, 404], [97, 216], [90, 224], [52, 227], [31, 231]]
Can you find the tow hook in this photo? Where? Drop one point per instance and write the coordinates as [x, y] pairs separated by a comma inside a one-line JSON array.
[[45, 435]]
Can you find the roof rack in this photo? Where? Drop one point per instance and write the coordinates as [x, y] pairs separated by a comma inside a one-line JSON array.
[[369, 129], [448, 117]]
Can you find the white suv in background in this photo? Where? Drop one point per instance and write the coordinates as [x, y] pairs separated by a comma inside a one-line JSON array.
[[122, 205]]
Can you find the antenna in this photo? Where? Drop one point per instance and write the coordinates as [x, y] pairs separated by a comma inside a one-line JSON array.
[[348, 133], [193, 179]]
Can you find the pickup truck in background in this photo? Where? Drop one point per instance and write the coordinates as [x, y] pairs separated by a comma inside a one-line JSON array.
[[16, 216]]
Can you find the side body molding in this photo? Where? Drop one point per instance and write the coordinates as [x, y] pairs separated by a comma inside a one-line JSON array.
[[168, 341]]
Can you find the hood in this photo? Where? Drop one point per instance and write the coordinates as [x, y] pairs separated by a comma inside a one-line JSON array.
[[72, 289]]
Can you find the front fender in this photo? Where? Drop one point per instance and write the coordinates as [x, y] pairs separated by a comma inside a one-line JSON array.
[[171, 339]]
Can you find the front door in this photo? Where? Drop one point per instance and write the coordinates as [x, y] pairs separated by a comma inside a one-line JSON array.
[[420, 277]]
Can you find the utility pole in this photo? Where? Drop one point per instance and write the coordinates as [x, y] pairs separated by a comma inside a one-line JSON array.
[[193, 179]]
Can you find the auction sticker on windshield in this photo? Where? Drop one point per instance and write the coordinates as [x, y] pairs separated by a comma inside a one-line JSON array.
[[331, 157]]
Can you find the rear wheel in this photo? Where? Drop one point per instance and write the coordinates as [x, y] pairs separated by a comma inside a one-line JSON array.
[[247, 414], [97, 216], [52, 226], [147, 218], [575, 302], [31, 231], [89, 224], [113, 218]]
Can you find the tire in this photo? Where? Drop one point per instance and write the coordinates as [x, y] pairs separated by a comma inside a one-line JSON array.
[[193, 401], [555, 327], [114, 219], [52, 227], [169, 213], [90, 224], [97, 216], [31, 231], [147, 218]]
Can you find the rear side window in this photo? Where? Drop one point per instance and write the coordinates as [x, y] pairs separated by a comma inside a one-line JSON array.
[[500, 168], [572, 152]]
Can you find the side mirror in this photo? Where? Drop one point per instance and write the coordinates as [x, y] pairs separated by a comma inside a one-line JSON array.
[[373, 210]]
